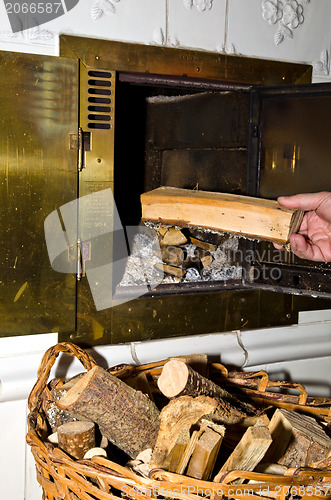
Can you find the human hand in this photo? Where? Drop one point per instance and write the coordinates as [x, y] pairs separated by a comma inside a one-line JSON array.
[[313, 240]]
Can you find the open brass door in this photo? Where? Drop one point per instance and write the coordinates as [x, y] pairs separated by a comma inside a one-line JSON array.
[[38, 172]]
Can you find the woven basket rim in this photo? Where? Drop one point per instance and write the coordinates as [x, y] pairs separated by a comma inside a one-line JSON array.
[[64, 477]]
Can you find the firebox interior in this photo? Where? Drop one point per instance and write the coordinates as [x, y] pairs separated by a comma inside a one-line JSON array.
[[187, 138], [181, 137]]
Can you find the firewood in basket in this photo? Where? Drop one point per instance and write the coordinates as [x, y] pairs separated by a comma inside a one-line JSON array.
[[249, 451], [205, 453], [179, 379], [76, 438], [179, 413], [56, 416], [95, 452], [235, 432], [139, 382], [298, 440], [179, 449], [195, 436], [128, 418], [198, 362]]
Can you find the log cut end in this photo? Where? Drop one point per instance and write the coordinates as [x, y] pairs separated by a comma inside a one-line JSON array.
[[173, 378], [76, 438], [73, 394]]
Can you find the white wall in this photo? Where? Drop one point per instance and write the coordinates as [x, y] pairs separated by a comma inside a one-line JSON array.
[[299, 31], [300, 34]]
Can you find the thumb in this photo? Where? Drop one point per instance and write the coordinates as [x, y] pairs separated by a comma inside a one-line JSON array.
[[306, 201]]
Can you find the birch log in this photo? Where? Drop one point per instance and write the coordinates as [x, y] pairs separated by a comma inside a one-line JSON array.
[[179, 379]]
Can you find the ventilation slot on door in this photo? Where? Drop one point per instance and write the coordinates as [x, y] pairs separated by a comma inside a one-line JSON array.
[[99, 90]]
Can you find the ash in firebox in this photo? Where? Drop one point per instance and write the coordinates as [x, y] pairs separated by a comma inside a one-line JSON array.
[[151, 262]]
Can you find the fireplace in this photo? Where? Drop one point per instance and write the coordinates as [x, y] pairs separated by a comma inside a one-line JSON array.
[[188, 134], [200, 135], [133, 118]]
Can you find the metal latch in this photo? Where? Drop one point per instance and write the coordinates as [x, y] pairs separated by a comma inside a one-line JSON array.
[[80, 142]]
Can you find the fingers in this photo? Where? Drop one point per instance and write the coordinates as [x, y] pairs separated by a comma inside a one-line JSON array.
[[306, 201], [304, 249]]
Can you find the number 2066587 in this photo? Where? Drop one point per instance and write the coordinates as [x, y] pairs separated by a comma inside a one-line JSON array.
[[32, 8]]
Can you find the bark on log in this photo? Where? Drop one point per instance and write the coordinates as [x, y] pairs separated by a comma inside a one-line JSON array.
[[76, 438], [128, 418], [179, 379], [54, 414], [198, 362], [178, 414]]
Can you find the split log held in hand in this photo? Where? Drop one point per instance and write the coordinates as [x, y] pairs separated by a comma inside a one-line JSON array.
[[179, 379], [256, 218], [128, 418]]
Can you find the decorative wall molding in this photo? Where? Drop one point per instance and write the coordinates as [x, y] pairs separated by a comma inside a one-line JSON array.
[[173, 41], [321, 67], [287, 14], [158, 37], [201, 5], [101, 7], [9, 36], [34, 35], [228, 48], [38, 34]]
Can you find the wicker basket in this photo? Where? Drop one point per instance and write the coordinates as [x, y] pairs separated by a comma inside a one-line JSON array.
[[62, 477]]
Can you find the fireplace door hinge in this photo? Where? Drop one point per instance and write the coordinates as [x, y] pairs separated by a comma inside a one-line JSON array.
[[80, 142], [80, 264], [83, 255]]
